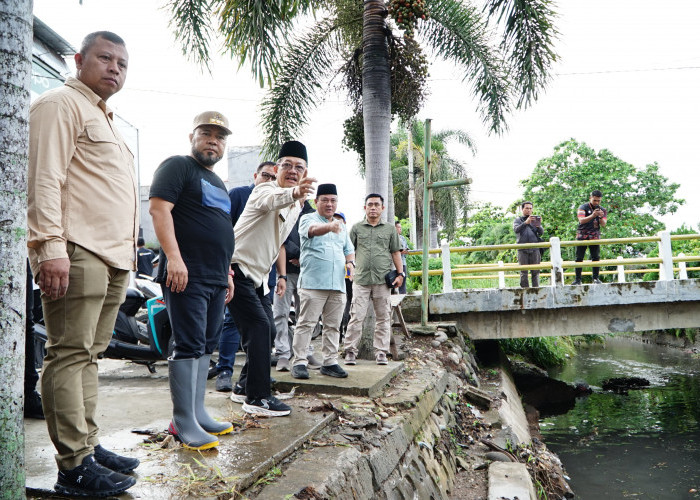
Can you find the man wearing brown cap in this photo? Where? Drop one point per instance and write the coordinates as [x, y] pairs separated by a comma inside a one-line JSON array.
[[83, 223], [191, 217], [270, 214], [325, 251]]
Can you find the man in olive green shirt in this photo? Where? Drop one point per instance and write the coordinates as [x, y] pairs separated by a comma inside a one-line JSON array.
[[377, 248]]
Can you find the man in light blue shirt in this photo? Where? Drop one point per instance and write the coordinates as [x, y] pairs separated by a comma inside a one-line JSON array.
[[325, 252]]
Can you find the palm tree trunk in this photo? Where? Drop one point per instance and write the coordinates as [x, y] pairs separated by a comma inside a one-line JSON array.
[[15, 74], [376, 97], [411, 188], [376, 109]]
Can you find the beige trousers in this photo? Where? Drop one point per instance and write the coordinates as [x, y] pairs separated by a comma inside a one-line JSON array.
[[327, 304], [381, 300], [79, 327]]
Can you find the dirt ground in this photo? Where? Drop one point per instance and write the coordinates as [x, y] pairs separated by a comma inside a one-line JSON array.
[[470, 485]]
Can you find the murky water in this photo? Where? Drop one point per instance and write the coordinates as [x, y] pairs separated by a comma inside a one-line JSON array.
[[645, 444]]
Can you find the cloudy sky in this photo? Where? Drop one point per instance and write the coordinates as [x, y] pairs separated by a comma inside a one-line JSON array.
[[628, 81]]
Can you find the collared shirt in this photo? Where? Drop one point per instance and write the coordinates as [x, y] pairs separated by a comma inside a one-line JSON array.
[[268, 217], [373, 248], [404, 245], [323, 257], [82, 184]]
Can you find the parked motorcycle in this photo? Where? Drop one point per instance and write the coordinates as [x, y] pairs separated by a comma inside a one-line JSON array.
[[138, 336]]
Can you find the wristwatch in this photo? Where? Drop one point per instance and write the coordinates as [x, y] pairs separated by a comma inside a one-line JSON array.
[[403, 274], [282, 277]]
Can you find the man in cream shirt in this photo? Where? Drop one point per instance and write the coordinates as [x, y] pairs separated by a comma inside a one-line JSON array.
[[268, 217], [83, 225]]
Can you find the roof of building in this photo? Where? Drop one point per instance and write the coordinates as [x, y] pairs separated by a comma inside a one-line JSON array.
[[52, 39]]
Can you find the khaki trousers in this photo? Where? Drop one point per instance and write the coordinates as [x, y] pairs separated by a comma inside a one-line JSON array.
[[79, 327], [329, 305], [381, 300]]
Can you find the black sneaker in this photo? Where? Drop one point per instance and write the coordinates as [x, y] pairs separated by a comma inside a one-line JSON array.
[[223, 381], [213, 370], [577, 281], [269, 406], [596, 281], [300, 371], [238, 394], [334, 371], [90, 479], [115, 462]]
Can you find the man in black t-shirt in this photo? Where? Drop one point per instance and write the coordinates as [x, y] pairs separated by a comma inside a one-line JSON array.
[[191, 216], [591, 217]]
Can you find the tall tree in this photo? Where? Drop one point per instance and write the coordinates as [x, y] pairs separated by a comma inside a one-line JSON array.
[[635, 197], [448, 204], [375, 40], [15, 74]]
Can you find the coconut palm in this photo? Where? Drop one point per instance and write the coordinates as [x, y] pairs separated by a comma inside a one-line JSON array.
[[15, 73], [374, 44]]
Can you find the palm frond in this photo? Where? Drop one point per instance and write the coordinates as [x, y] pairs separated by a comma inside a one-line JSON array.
[[191, 21], [528, 40], [460, 135], [457, 33], [255, 30], [306, 68]]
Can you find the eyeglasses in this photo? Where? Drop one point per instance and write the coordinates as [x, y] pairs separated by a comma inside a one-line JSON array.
[[268, 177], [288, 166], [328, 200]]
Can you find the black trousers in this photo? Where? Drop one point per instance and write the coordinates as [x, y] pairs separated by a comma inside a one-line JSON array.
[[595, 255], [252, 311], [31, 377], [196, 316]]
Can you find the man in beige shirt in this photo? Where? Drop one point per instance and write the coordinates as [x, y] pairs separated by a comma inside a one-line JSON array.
[[83, 226], [269, 215]]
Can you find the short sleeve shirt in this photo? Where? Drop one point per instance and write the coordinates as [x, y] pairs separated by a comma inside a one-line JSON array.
[[201, 217], [373, 248], [404, 245], [589, 230], [322, 257]]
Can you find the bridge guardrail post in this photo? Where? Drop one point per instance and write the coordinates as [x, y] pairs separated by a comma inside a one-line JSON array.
[[620, 270], [682, 271], [501, 275], [666, 254], [446, 267], [557, 262]]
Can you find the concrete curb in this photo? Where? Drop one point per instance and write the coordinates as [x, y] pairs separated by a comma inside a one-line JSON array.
[[351, 474], [250, 478]]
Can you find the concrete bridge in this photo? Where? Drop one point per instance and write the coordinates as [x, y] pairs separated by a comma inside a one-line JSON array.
[[565, 310], [559, 309]]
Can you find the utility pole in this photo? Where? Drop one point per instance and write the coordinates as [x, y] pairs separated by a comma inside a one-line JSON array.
[[427, 186]]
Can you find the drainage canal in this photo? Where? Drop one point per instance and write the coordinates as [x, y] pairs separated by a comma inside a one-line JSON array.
[[642, 444]]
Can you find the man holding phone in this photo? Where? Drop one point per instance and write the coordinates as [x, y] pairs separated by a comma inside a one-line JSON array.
[[591, 217], [528, 229]]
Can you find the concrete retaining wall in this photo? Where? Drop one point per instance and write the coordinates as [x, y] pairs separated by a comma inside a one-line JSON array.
[[410, 460]]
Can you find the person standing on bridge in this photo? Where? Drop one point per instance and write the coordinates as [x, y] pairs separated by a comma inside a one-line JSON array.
[[591, 217], [528, 229]]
